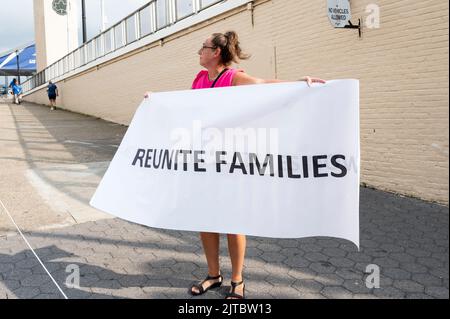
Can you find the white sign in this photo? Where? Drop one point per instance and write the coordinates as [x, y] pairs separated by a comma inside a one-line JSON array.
[[339, 12], [276, 160]]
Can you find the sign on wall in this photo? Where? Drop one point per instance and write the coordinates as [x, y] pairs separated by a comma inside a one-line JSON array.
[[339, 12]]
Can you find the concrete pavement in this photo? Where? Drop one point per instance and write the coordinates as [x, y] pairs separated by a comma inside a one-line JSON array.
[[51, 163]]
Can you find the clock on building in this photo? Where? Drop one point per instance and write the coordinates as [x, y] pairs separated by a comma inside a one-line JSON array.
[[60, 7]]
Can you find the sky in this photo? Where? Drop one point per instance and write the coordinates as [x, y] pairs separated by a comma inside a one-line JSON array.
[[17, 25]]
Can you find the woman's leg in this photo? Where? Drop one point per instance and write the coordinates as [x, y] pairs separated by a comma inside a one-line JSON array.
[[236, 248], [210, 243]]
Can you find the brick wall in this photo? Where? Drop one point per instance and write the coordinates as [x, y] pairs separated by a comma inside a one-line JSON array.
[[402, 67]]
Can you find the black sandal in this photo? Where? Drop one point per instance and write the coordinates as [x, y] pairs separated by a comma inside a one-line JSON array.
[[202, 290], [233, 293]]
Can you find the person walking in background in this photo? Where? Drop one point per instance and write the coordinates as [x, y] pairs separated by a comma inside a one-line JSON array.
[[16, 91], [52, 91]]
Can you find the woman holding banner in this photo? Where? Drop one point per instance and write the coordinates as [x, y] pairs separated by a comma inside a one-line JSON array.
[[217, 54]]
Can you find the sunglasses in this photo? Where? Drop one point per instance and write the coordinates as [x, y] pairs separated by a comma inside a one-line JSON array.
[[207, 47]]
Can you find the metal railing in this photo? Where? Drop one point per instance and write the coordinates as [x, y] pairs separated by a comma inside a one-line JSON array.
[[148, 19]]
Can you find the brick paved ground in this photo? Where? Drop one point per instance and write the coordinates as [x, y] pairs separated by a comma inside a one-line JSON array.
[[407, 238]]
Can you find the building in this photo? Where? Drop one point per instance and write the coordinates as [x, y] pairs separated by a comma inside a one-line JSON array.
[[401, 60]]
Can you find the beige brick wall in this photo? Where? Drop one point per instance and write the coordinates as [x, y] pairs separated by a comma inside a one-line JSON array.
[[402, 66]]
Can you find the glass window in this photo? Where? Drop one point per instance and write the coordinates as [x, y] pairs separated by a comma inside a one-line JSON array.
[[99, 46], [65, 65], [83, 55], [184, 8], [161, 13], [70, 62], [77, 62], [90, 51], [107, 39], [94, 49], [145, 21], [60, 68], [131, 29], [118, 35]]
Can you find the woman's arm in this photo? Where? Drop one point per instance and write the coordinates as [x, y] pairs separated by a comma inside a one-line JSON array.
[[241, 78]]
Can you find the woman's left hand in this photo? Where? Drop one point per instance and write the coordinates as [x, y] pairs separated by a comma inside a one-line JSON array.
[[311, 80]]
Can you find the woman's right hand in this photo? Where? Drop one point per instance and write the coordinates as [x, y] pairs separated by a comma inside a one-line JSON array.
[[147, 94], [310, 80]]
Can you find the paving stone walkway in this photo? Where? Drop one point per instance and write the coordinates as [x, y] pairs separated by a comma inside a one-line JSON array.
[[61, 155], [406, 238]]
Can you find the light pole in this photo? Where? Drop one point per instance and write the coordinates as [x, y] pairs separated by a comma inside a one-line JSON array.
[[83, 19], [18, 67], [102, 9]]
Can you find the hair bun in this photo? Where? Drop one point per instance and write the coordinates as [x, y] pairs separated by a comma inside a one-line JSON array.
[[231, 34], [230, 47]]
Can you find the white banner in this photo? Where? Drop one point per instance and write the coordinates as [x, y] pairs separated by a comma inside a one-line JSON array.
[[276, 160]]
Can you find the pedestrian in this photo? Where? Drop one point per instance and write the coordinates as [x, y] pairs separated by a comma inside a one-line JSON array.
[[216, 55], [16, 91], [52, 91]]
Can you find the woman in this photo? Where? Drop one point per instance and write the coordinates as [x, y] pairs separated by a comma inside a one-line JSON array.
[[217, 53]]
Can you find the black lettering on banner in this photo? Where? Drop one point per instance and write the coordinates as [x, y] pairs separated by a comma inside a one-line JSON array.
[[185, 154], [176, 159], [139, 157], [297, 167], [338, 165], [280, 166], [268, 161], [157, 157], [235, 166], [220, 161], [289, 168], [305, 166], [148, 158], [317, 166], [166, 159], [198, 160]]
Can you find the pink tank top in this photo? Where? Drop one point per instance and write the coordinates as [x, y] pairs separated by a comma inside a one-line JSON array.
[[202, 82]]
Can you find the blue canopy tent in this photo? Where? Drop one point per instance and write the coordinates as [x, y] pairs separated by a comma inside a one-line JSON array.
[[26, 65], [2, 59]]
